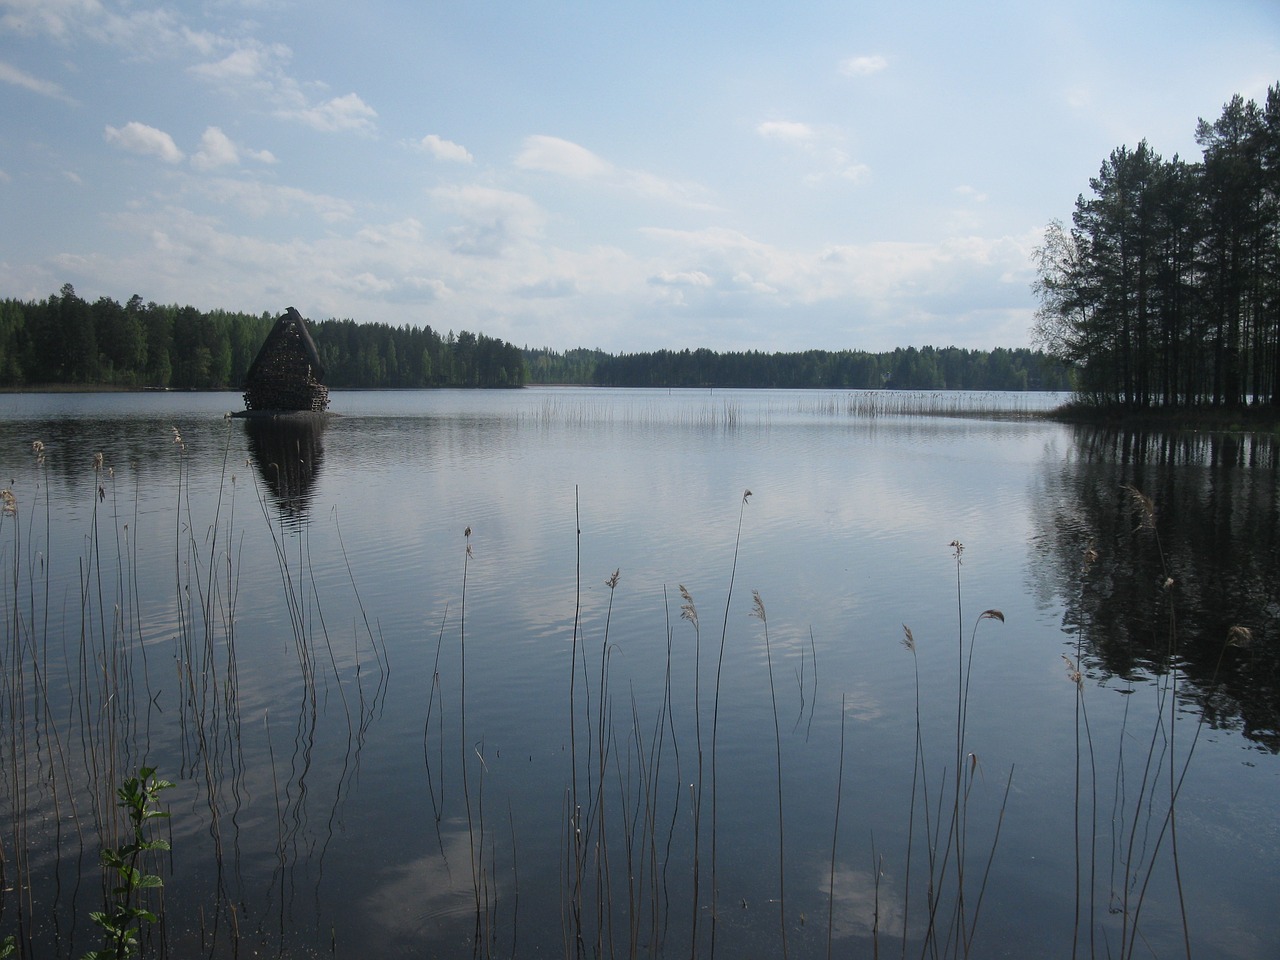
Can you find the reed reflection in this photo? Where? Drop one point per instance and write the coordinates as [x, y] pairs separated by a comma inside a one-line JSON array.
[[1142, 529], [288, 452]]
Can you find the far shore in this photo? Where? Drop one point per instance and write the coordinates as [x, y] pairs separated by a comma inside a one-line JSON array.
[[1257, 418]]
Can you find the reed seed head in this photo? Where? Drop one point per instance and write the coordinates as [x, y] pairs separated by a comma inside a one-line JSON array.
[[613, 580], [757, 607], [688, 611], [908, 638], [1239, 636], [9, 501], [1073, 671], [957, 550], [97, 463], [991, 615], [974, 766], [746, 495], [1144, 505]]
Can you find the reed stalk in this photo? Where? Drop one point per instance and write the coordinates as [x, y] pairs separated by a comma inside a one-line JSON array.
[[835, 832], [715, 716], [689, 612], [758, 611], [575, 807], [462, 723]]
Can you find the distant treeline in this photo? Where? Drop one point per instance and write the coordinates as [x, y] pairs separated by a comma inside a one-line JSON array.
[[1165, 289], [907, 368], [67, 340]]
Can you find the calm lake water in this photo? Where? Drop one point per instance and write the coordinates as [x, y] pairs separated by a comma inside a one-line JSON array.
[[409, 711]]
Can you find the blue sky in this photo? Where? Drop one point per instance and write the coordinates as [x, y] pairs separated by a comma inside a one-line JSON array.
[[624, 175]]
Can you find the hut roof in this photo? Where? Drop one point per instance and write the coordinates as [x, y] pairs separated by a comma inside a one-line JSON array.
[[290, 322]]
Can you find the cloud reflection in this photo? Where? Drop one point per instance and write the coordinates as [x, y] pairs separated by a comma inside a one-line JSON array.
[[858, 909]]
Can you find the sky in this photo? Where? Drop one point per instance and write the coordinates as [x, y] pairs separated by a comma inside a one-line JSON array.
[[614, 174]]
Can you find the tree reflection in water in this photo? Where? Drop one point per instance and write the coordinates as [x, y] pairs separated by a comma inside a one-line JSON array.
[[1205, 558]]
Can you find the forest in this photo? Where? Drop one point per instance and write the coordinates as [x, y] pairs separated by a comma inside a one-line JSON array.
[[906, 368], [1165, 290], [66, 340]]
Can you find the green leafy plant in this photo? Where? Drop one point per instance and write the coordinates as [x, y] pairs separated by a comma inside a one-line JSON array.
[[121, 922]]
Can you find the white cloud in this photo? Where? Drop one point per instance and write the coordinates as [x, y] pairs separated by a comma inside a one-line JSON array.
[[787, 130], [338, 115], [491, 220], [148, 141], [20, 78], [748, 282], [52, 17], [853, 172], [564, 158], [256, 70], [269, 200], [219, 150], [554, 155], [547, 288], [216, 150], [863, 66], [142, 33], [408, 230], [248, 62], [443, 149], [834, 162], [687, 278]]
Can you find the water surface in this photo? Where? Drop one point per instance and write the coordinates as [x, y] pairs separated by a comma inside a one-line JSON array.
[[409, 711]]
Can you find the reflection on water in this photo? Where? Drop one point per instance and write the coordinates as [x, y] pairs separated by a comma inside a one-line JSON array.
[[288, 451], [863, 905], [1160, 545], [396, 739]]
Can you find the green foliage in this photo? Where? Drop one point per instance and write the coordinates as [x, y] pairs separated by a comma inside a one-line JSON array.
[[909, 368], [1166, 289], [571, 367], [377, 355], [65, 340], [125, 913]]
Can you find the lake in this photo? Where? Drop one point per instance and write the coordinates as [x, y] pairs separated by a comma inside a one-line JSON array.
[[583, 672]]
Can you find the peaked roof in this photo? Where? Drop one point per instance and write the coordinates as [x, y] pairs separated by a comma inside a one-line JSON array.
[[290, 321]]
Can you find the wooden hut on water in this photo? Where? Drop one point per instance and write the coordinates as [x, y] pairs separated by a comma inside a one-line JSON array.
[[287, 373]]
